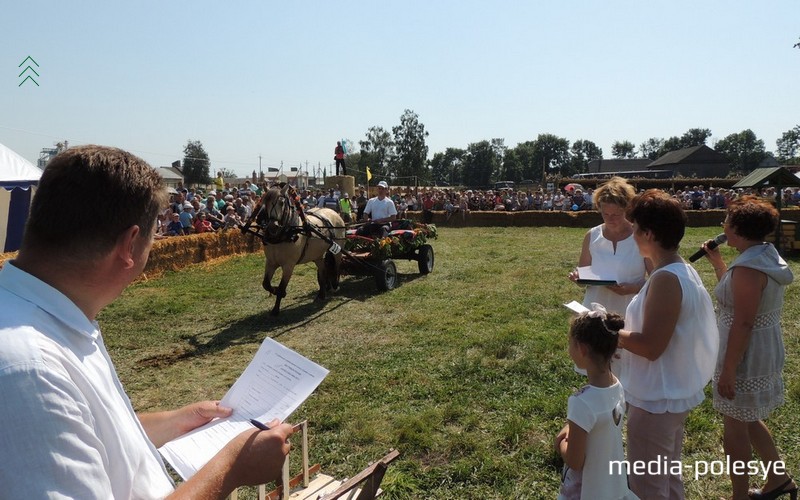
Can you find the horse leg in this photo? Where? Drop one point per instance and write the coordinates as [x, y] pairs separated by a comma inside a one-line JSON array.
[[280, 293], [332, 264], [322, 278], [269, 272]]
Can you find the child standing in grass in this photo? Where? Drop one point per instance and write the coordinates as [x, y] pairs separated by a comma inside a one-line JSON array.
[[591, 442]]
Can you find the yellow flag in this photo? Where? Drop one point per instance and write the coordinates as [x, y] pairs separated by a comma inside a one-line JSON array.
[[369, 175]]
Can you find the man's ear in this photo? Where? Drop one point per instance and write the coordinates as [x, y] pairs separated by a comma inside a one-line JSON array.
[[125, 247]]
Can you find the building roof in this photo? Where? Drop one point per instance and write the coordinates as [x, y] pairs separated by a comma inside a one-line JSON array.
[[618, 165], [169, 173], [772, 176], [695, 155]]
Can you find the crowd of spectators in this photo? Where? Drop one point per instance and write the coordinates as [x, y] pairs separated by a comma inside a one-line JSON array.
[[196, 211]]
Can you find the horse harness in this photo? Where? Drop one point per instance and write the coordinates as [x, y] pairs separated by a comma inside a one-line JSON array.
[[289, 233]]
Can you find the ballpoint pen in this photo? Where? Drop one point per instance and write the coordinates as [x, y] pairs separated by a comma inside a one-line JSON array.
[[259, 424]]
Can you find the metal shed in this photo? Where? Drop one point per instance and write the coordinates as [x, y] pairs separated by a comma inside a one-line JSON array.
[[779, 178]]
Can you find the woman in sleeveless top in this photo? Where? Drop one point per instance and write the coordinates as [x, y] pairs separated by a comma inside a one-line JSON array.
[[670, 344], [747, 381], [611, 249]]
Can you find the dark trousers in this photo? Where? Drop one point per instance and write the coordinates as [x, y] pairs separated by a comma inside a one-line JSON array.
[[340, 162], [374, 230]]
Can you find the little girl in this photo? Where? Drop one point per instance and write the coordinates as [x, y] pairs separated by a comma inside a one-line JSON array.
[[591, 442]]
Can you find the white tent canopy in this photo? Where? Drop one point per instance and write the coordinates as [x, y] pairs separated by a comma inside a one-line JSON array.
[[18, 181], [16, 169]]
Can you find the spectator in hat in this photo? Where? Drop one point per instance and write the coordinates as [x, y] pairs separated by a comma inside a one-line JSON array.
[[187, 217], [232, 219], [175, 228]]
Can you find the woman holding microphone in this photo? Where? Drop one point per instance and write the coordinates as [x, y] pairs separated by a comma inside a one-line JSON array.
[[747, 380]]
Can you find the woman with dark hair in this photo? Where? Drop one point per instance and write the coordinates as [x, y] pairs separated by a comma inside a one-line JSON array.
[[670, 344], [747, 379]]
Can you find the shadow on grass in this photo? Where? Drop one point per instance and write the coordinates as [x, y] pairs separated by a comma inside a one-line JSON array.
[[304, 310]]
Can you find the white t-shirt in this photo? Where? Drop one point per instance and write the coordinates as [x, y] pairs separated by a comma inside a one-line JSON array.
[[69, 429], [599, 411], [380, 209]]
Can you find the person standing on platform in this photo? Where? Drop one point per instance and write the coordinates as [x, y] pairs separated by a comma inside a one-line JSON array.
[[338, 155]]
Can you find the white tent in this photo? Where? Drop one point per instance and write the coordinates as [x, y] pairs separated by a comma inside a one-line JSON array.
[[18, 181]]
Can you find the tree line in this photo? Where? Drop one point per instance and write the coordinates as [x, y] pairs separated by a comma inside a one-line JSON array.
[[401, 155]]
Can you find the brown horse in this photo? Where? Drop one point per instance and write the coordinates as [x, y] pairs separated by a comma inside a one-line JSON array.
[[292, 237]]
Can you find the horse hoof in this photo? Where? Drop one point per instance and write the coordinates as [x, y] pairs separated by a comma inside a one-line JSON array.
[[274, 312]]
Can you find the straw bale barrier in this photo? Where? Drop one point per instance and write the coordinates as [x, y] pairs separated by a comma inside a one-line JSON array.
[[171, 254], [174, 253]]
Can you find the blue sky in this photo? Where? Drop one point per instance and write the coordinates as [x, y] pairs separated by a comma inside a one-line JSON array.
[[286, 80]]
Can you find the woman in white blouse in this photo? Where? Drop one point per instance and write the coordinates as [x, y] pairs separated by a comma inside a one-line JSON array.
[[670, 346]]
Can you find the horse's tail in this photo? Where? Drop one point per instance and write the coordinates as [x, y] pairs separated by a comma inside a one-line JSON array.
[[332, 270]]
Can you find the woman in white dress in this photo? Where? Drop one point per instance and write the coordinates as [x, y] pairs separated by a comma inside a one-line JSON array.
[[611, 250]]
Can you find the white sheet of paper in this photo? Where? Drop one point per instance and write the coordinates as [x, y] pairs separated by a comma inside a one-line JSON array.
[[576, 307], [272, 386], [591, 273]]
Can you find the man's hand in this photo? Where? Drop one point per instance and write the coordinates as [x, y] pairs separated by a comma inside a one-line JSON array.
[[253, 457], [163, 427]]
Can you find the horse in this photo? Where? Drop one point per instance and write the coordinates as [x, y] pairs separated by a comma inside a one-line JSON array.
[[293, 237]]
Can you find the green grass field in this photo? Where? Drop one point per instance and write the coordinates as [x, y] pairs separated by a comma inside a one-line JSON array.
[[465, 371]]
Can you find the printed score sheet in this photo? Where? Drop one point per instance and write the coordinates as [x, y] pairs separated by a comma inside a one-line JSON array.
[[272, 386]]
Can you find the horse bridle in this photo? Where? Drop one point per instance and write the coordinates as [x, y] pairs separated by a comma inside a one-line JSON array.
[[282, 214]]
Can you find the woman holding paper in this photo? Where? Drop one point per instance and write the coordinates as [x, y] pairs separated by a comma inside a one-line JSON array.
[[611, 251], [669, 346]]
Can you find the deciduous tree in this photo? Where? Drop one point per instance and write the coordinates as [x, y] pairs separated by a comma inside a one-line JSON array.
[[550, 154], [651, 148], [581, 153], [196, 165], [448, 166], [376, 150], [744, 150], [692, 137], [789, 146], [411, 152], [623, 149], [480, 162]]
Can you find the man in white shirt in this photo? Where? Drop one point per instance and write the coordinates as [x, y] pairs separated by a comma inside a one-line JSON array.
[[379, 212], [69, 429]]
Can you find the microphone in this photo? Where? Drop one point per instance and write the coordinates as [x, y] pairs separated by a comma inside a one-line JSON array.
[[720, 239]]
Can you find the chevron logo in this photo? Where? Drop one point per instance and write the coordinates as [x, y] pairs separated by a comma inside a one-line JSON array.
[[28, 69]]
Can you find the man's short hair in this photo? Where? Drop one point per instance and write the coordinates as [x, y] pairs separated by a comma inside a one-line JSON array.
[[124, 189]]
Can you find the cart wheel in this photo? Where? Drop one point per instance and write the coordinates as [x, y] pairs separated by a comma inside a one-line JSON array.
[[425, 259], [386, 277]]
